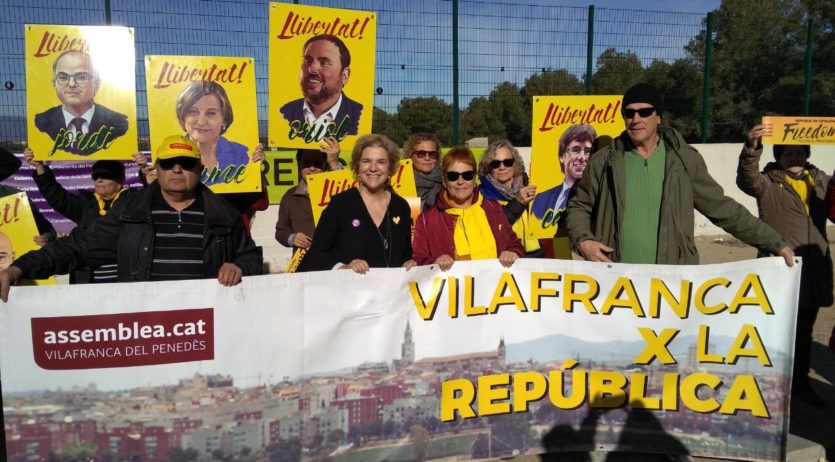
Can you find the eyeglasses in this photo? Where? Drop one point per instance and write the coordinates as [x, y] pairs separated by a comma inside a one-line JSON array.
[[643, 112], [313, 164], [494, 164], [579, 150], [186, 163], [425, 154], [467, 176], [80, 78]]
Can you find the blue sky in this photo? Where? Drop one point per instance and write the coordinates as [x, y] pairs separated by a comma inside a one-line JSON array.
[[506, 40]]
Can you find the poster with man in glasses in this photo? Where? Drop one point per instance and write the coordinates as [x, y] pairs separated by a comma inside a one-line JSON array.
[[569, 127], [91, 72]]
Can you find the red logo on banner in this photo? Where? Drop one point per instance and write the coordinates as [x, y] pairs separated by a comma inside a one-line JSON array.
[[124, 340]]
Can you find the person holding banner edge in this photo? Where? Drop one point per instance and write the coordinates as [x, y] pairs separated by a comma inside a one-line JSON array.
[[82, 208], [151, 237], [635, 201], [791, 196], [368, 226], [463, 225]]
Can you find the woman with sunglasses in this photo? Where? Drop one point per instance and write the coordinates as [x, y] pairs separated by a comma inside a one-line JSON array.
[[502, 178], [463, 224], [295, 227], [368, 226], [424, 149]]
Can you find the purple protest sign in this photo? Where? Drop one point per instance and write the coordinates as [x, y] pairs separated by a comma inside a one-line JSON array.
[[73, 176]]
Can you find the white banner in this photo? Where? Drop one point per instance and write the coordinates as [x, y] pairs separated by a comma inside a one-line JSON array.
[[478, 361]]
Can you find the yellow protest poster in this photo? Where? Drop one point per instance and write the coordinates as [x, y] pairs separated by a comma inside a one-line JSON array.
[[212, 101], [800, 130], [81, 92], [333, 92], [563, 131], [17, 231], [323, 186]]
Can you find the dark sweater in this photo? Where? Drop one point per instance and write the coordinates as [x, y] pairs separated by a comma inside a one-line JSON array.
[[346, 232]]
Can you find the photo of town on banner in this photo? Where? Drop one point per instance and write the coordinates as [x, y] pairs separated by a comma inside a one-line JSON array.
[[82, 99], [323, 186], [800, 130], [17, 232], [734, 337], [211, 100], [557, 163], [321, 75]]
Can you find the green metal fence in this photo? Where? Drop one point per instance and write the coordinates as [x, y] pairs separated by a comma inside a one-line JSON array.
[[468, 68]]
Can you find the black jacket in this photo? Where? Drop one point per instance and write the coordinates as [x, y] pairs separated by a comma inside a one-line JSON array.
[[126, 233], [82, 208], [52, 122]]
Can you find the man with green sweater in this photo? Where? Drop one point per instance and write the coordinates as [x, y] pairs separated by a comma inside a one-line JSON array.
[[635, 201]]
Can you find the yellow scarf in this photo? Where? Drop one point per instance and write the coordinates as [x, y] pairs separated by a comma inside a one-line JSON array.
[[100, 200], [473, 236], [802, 187]]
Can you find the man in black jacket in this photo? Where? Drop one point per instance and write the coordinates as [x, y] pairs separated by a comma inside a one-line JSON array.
[[85, 206], [175, 229]]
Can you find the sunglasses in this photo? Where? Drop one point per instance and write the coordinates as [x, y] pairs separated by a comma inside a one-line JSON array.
[[494, 164], [313, 164], [467, 176], [643, 112], [186, 163], [425, 154]]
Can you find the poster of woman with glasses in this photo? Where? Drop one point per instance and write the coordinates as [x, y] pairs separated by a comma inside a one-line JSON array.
[[91, 110], [567, 126]]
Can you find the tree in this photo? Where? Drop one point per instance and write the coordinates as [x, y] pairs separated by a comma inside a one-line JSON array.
[[420, 443], [481, 119], [289, 450], [509, 104], [424, 114], [182, 455], [750, 79], [559, 82], [616, 71], [389, 125]]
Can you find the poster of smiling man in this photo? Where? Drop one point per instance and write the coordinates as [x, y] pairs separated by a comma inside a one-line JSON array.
[[332, 94], [564, 131], [81, 94], [212, 101]]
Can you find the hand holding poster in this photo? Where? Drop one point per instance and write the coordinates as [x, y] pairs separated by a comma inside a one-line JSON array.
[[211, 99], [556, 356], [564, 128], [332, 94], [83, 105], [17, 231], [800, 130]]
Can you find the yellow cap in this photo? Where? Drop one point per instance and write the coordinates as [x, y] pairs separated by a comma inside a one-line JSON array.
[[177, 146]]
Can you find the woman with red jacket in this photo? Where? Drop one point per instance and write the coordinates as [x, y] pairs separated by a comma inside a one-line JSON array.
[[463, 225]]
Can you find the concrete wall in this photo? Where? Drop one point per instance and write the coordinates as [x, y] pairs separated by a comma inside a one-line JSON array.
[[721, 160]]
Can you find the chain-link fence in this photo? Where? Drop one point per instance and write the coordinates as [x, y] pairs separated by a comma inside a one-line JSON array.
[[506, 53]]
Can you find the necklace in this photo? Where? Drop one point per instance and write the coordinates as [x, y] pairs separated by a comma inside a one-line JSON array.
[[384, 240]]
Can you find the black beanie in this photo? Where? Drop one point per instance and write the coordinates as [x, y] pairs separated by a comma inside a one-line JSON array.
[[109, 169], [644, 93]]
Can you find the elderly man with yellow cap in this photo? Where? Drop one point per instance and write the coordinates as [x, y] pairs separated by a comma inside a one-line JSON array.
[[175, 229]]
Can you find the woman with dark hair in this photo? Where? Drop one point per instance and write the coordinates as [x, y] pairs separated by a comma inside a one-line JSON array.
[[463, 225], [502, 178], [295, 227], [368, 226], [205, 113]]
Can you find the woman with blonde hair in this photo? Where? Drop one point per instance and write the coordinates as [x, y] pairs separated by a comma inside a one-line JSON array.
[[368, 226], [502, 178]]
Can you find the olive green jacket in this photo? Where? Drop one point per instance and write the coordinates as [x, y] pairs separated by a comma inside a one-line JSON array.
[[596, 209]]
